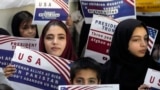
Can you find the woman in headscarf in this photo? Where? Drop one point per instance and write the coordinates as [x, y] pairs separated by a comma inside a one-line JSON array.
[[56, 40], [129, 57]]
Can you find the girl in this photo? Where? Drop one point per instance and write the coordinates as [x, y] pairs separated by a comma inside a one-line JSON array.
[[22, 25], [56, 40], [129, 57]]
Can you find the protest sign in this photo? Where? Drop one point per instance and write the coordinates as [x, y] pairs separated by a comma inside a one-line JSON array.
[[36, 70], [100, 36], [148, 7], [46, 10], [152, 78], [119, 10], [9, 43]]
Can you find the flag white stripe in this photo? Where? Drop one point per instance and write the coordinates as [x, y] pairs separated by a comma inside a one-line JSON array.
[[57, 65], [131, 2], [63, 5]]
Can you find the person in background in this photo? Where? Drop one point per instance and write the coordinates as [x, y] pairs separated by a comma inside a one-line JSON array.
[[4, 32], [76, 20], [129, 56], [85, 71], [22, 25], [156, 53], [3, 79], [56, 40]]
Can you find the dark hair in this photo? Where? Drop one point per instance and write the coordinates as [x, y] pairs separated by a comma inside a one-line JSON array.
[[4, 32], [18, 18], [5, 87], [68, 52], [85, 63]]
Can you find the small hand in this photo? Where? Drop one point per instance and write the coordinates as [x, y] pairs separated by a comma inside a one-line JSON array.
[[144, 87], [9, 70]]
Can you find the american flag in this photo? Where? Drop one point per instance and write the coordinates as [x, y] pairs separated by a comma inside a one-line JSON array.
[[89, 87], [63, 4], [152, 37]]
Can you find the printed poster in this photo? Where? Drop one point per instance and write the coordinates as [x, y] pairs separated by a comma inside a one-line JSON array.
[[152, 78], [89, 87], [46, 10], [38, 71], [100, 37], [117, 9], [148, 7], [9, 43]]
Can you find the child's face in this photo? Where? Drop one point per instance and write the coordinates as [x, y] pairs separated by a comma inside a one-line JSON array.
[[27, 29], [138, 42], [55, 40], [85, 77]]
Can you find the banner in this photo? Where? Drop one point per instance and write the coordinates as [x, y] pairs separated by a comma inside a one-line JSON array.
[[148, 7], [100, 37], [152, 79], [46, 10], [9, 43], [89, 87], [36, 70], [117, 9]]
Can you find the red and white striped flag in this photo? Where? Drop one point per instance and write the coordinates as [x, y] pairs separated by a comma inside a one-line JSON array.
[[152, 37], [89, 87], [63, 4]]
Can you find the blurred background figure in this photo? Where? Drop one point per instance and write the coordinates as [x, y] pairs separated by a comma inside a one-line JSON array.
[[156, 53], [22, 25], [4, 32]]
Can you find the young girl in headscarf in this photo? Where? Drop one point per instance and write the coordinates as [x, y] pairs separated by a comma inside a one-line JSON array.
[[129, 57]]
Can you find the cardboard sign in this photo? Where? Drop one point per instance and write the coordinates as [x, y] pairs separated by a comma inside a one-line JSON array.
[[36, 70], [100, 37], [152, 78], [9, 43], [111, 8], [46, 10]]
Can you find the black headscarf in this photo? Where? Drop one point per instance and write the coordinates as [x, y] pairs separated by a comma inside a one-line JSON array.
[[131, 70]]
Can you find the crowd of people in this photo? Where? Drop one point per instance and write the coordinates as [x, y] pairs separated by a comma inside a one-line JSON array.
[[129, 56]]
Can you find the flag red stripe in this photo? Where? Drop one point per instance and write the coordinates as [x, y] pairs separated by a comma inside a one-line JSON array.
[[6, 39], [57, 66], [62, 4]]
